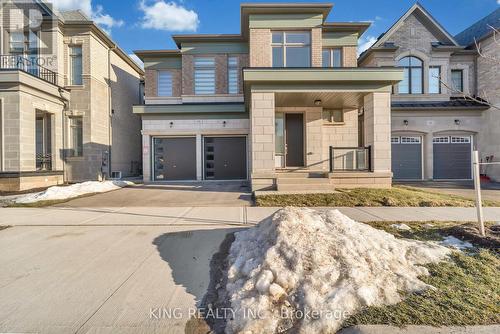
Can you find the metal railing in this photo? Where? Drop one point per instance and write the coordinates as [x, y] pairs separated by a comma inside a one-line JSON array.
[[43, 161], [17, 62], [350, 159]]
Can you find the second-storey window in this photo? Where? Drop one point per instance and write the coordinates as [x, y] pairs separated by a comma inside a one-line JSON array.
[[412, 80], [164, 83], [23, 43], [232, 75], [291, 49], [435, 80], [457, 80], [76, 67], [332, 57], [204, 75]]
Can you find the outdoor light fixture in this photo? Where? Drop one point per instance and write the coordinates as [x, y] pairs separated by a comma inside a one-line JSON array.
[[457, 122], [317, 103], [224, 124], [171, 124], [405, 122]]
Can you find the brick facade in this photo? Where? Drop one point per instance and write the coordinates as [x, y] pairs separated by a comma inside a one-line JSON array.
[[316, 47], [350, 57], [260, 48]]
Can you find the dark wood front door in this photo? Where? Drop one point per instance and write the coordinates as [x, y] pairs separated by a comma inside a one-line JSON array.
[[294, 140]]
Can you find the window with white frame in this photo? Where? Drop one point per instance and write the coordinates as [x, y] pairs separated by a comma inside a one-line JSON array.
[[457, 80], [460, 140], [291, 49], [23, 43], [232, 75], [412, 82], [332, 57], [333, 116], [204, 75], [76, 65], [441, 140], [76, 135], [395, 140], [435, 80], [410, 140], [164, 83]]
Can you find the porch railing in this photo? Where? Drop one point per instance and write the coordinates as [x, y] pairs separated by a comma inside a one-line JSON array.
[[30, 66], [350, 159], [43, 161]]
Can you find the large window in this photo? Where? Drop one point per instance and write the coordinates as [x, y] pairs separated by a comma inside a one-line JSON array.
[[332, 57], [76, 133], [457, 80], [232, 75], [413, 78], [164, 83], [76, 69], [291, 49], [204, 75], [23, 43], [435, 80]]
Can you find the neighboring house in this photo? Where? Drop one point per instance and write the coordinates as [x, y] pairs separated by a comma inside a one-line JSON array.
[[282, 104], [66, 96], [434, 127], [482, 34]]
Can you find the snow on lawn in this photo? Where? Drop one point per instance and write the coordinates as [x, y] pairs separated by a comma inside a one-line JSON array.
[[453, 242], [321, 263], [74, 190]]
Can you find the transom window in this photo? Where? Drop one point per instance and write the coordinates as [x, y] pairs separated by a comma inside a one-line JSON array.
[[413, 79], [460, 140], [232, 75], [164, 83], [457, 80], [410, 140], [204, 75], [332, 57], [291, 49], [441, 140]]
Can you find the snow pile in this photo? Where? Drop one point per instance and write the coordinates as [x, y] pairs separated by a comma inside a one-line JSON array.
[[402, 227], [309, 270], [451, 241], [74, 190]]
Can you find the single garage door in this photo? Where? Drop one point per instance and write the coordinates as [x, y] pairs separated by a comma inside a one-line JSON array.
[[225, 158], [174, 158], [452, 157], [407, 157]]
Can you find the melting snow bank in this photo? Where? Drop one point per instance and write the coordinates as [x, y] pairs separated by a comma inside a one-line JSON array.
[[308, 270], [453, 242], [74, 190]]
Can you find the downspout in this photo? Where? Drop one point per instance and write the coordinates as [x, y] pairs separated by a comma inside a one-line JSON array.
[[110, 109]]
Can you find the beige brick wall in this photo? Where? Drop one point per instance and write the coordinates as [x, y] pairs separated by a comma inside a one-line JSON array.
[[377, 131], [350, 58], [316, 47], [340, 135], [187, 74], [262, 132], [220, 73], [260, 48]]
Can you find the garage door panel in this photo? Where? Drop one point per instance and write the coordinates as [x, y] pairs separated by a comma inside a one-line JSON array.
[[175, 159], [407, 161], [452, 161], [225, 158]]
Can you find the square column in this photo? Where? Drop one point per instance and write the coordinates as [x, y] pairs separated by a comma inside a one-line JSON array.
[[377, 126], [147, 154]]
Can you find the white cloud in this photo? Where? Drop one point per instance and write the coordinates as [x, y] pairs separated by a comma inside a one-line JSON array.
[[96, 13], [136, 59], [169, 16], [365, 42]]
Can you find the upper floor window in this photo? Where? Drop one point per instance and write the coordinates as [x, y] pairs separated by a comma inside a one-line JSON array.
[[332, 57], [413, 78], [232, 75], [204, 75], [457, 80], [291, 49], [23, 43], [435, 80], [76, 65], [164, 83]]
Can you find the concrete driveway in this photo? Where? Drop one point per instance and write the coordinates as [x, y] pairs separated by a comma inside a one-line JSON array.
[[226, 193]]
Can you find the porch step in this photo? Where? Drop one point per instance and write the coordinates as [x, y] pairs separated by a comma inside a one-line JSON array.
[[301, 187], [307, 182], [303, 180], [301, 175]]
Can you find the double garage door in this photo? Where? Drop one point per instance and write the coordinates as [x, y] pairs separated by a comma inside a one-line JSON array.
[[224, 158], [451, 157]]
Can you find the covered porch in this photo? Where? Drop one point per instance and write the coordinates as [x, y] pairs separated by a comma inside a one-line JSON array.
[[319, 128]]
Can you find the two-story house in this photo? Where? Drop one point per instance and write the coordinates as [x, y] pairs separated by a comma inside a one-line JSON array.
[[282, 104], [435, 123], [66, 96]]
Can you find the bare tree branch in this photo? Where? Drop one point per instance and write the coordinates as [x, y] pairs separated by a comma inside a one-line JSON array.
[[492, 59]]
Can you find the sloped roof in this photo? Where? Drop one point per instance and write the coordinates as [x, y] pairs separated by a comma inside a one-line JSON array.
[[453, 103], [479, 29], [73, 15]]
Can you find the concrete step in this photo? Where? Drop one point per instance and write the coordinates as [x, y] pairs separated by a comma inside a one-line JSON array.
[[305, 187], [310, 180], [302, 175]]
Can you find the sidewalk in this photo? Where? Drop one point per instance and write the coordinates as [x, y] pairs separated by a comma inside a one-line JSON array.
[[216, 216]]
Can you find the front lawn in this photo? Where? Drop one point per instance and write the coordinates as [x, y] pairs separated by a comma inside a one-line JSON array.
[[467, 287], [396, 196]]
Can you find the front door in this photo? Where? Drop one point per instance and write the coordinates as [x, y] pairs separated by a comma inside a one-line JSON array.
[[294, 140]]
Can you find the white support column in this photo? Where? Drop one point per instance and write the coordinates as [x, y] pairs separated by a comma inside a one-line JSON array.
[[199, 157]]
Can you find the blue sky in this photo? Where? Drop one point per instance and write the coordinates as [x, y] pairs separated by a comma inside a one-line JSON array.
[[148, 24]]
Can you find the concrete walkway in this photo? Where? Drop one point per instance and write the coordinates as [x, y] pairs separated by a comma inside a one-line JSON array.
[[215, 216]]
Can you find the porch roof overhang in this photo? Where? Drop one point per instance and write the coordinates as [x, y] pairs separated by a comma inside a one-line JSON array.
[[190, 108], [333, 87], [319, 78]]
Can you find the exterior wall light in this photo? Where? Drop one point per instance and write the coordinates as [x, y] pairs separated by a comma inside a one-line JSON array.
[[405, 122], [317, 103], [171, 124], [457, 122], [224, 124]]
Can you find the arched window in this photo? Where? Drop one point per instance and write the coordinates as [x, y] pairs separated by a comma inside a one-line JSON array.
[[413, 76]]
